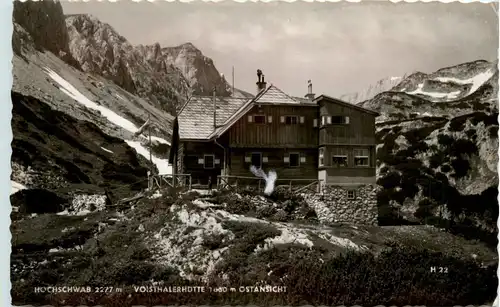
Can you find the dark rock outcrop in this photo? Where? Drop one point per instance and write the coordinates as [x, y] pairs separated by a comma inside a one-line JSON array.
[[69, 153], [44, 22]]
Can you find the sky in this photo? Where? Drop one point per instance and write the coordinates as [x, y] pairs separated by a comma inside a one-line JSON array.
[[342, 47]]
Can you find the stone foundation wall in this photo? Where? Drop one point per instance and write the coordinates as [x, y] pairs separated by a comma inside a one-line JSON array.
[[334, 205]]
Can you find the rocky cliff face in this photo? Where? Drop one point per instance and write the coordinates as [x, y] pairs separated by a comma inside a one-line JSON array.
[[44, 22], [165, 76]]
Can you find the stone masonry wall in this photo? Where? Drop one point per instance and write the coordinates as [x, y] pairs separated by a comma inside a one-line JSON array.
[[333, 205]]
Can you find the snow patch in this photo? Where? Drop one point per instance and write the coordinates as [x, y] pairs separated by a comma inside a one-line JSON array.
[[476, 81], [162, 164], [72, 92], [106, 149], [419, 90], [159, 140], [16, 186]]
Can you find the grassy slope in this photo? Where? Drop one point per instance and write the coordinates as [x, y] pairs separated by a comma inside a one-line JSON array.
[[122, 256]]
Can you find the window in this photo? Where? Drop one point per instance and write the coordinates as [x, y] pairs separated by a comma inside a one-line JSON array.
[[362, 157], [256, 159], [351, 194], [258, 119], [291, 120], [339, 157], [209, 161], [321, 160], [340, 119], [294, 160]]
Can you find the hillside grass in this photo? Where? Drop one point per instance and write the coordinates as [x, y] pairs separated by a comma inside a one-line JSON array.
[[395, 271]]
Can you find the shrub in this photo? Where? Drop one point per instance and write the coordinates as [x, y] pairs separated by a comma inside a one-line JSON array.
[[424, 210], [463, 147], [445, 168], [239, 206], [461, 167], [445, 139], [493, 132], [386, 195], [399, 276], [438, 159], [213, 241], [396, 129], [458, 123], [471, 133]]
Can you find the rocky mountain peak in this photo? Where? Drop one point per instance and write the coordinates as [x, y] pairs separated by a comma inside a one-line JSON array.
[[164, 75], [380, 86], [44, 22]]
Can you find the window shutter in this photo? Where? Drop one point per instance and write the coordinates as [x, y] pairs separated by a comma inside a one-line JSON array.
[[264, 160], [286, 159], [347, 119], [302, 159], [329, 119], [201, 161], [282, 119], [248, 159], [250, 118], [315, 122], [217, 161], [302, 119], [323, 120]]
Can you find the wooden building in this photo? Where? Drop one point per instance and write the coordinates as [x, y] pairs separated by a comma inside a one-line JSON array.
[[300, 138]]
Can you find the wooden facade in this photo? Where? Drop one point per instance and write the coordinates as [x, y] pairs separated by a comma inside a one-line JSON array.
[[283, 127], [323, 138], [346, 152], [202, 160]]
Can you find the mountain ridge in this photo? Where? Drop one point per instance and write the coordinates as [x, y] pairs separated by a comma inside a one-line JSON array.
[[167, 76], [437, 145]]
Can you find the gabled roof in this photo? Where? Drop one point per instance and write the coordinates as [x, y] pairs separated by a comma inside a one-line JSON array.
[[196, 119], [347, 104], [272, 96]]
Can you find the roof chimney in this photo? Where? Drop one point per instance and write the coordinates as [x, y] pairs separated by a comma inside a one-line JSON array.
[[309, 94], [261, 84]]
